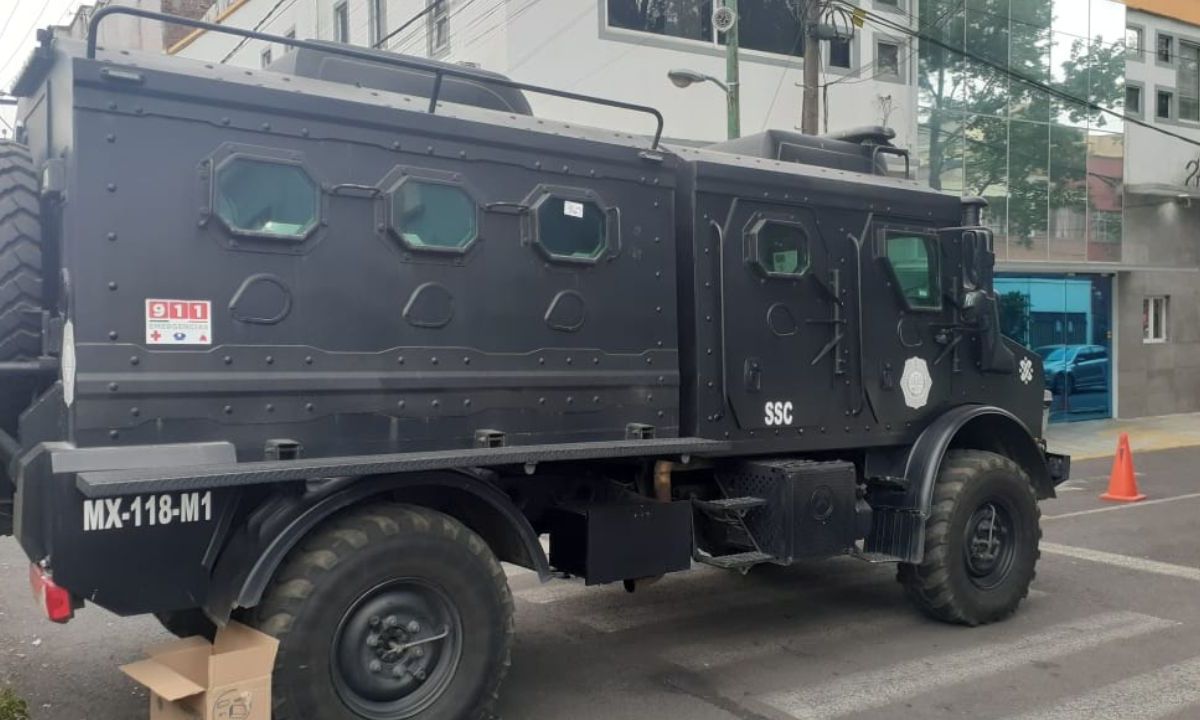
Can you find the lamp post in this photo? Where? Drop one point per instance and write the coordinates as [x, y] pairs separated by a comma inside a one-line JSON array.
[[686, 78], [725, 20]]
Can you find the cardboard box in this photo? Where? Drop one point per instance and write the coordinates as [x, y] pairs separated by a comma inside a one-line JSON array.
[[193, 679]]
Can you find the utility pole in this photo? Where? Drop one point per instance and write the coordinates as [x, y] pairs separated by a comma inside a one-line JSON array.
[[809, 119], [734, 91]]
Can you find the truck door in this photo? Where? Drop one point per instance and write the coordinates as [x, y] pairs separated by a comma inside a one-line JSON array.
[[911, 349], [785, 340]]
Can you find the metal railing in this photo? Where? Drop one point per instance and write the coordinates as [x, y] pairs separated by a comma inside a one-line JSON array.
[[439, 73]]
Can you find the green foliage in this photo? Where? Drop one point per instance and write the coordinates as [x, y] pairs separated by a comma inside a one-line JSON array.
[[12, 707]]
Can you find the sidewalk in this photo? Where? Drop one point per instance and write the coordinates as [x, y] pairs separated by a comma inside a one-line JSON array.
[[1098, 438]]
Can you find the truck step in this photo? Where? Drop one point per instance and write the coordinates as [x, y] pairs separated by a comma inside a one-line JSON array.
[[730, 505], [736, 562]]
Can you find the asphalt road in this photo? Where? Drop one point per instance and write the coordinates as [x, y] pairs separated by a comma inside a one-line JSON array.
[[1112, 631]]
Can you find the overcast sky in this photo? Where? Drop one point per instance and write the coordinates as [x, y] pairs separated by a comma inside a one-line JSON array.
[[19, 20]]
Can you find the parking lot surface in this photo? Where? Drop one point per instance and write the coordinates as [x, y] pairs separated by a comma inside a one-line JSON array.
[[1111, 631]]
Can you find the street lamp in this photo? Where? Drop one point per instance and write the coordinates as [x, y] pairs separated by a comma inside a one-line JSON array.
[[682, 78]]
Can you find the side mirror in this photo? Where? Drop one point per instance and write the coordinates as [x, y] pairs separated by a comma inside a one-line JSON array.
[[982, 310], [978, 261]]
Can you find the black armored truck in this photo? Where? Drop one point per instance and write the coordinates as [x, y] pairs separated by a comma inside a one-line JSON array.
[[318, 347]]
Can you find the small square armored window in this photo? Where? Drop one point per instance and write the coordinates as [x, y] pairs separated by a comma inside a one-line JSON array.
[[570, 229], [913, 259], [437, 216], [780, 248], [266, 198]]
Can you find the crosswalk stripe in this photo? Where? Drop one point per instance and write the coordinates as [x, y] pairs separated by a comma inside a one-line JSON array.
[[1154, 695], [741, 597], [876, 688], [703, 656], [710, 654], [1123, 561]]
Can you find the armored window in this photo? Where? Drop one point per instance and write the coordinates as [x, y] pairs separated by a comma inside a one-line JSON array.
[[779, 248], [568, 229], [913, 259], [428, 215], [266, 198]]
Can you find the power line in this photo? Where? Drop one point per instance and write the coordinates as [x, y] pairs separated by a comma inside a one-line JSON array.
[[402, 45], [266, 18], [20, 44], [428, 9], [1009, 72]]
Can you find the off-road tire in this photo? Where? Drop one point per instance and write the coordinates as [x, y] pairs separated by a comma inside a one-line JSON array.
[[941, 586], [322, 581], [20, 255]]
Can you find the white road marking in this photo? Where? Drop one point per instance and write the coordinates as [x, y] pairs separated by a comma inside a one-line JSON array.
[[704, 656], [733, 597], [877, 688], [1154, 695], [1123, 561], [1123, 506]]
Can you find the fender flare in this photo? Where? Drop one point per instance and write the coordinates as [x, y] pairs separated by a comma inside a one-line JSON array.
[[899, 526], [250, 560], [979, 427]]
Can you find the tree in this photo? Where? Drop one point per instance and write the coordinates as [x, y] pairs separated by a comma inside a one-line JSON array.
[[1003, 138]]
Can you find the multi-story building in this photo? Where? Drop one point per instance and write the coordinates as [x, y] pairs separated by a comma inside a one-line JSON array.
[[621, 49], [1161, 344], [1018, 101]]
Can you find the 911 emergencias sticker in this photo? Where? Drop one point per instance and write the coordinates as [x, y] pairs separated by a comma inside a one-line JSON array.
[[178, 322]]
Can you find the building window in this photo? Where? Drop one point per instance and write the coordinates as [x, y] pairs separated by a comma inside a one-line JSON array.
[[771, 27], [434, 216], [266, 57], [1188, 82], [1133, 99], [887, 60], [377, 10], [438, 27], [839, 53], [266, 198], [341, 22], [1135, 38], [1166, 49], [1165, 101], [1154, 319], [913, 259]]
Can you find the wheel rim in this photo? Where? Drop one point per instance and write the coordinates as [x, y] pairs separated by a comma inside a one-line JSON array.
[[396, 650], [989, 544]]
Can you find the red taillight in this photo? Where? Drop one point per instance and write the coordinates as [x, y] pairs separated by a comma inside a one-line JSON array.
[[56, 602]]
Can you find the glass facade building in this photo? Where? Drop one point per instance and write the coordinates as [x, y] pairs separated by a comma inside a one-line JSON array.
[[1052, 169]]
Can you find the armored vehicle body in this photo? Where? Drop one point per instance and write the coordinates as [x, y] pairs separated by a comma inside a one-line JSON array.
[[316, 347]]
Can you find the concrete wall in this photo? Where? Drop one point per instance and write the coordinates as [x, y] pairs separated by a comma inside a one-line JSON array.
[[1163, 378]]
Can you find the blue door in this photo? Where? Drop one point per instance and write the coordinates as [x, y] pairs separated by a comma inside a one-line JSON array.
[[1066, 320]]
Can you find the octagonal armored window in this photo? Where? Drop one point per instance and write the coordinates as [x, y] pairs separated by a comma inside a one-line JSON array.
[[266, 198], [780, 248], [429, 215], [571, 229]]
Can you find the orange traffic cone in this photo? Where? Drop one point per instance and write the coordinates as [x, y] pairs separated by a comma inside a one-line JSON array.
[[1122, 484]]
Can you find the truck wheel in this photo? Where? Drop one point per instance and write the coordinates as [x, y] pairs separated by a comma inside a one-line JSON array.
[[20, 255], [981, 541], [389, 612]]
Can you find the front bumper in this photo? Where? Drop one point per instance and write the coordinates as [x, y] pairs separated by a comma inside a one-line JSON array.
[[1059, 467]]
